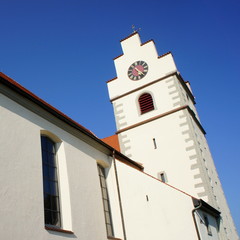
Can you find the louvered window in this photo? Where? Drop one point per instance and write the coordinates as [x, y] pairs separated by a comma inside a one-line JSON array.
[[145, 103]]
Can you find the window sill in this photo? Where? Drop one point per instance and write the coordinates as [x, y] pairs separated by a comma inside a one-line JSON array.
[[113, 238], [58, 230]]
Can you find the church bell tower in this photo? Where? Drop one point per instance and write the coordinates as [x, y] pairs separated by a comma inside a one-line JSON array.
[[158, 125]]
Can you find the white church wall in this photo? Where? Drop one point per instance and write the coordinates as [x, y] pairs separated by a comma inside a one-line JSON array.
[[21, 183], [147, 208], [154, 159], [214, 189], [127, 111], [152, 209]]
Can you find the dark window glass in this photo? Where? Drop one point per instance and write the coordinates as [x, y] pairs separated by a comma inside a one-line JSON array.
[[50, 182], [106, 204], [163, 177], [52, 173], [154, 143], [145, 103], [207, 225]]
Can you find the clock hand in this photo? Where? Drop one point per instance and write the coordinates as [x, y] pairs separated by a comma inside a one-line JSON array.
[[139, 72]]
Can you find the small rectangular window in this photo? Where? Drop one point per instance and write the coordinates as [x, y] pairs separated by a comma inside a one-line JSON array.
[[162, 176], [154, 143]]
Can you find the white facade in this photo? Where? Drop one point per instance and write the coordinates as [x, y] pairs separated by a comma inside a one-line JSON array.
[[141, 206], [155, 210], [169, 139], [21, 194]]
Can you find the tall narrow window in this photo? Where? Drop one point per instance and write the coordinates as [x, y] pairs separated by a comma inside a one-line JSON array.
[[145, 103], [106, 204], [50, 183]]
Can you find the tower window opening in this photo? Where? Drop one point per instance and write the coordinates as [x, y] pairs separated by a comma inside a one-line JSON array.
[[162, 176], [145, 103], [154, 143]]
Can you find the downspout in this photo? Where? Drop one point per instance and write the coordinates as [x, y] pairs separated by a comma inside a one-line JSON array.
[[119, 196], [194, 219]]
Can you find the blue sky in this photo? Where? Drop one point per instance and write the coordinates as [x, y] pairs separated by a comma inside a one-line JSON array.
[[62, 51]]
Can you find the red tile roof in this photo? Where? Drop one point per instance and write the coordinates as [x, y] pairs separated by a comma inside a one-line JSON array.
[[112, 141]]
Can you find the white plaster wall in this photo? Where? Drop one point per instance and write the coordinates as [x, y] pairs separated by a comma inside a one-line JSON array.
[[184, 98], [169, 156], [127, 110], [134, 51], [183, 154], [166, 214], [215, 191], [21, 192], [180, 147]]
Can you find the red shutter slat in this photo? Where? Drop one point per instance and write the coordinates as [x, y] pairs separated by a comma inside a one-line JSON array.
[[145, 103]]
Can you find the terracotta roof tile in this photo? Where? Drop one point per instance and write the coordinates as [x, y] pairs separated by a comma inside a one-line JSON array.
[[112, 141]]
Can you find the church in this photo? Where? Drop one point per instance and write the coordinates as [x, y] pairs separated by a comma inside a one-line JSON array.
[[153, 179]]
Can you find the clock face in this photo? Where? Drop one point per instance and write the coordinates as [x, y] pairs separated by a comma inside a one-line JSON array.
[[137, 70]]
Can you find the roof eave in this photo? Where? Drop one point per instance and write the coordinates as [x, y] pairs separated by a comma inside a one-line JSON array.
[[47, 107]]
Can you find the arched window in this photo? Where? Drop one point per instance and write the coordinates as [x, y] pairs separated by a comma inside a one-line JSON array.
[[145, 103], [50, 182]]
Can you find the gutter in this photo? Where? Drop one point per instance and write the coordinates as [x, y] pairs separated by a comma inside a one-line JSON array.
[[194, 219]]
